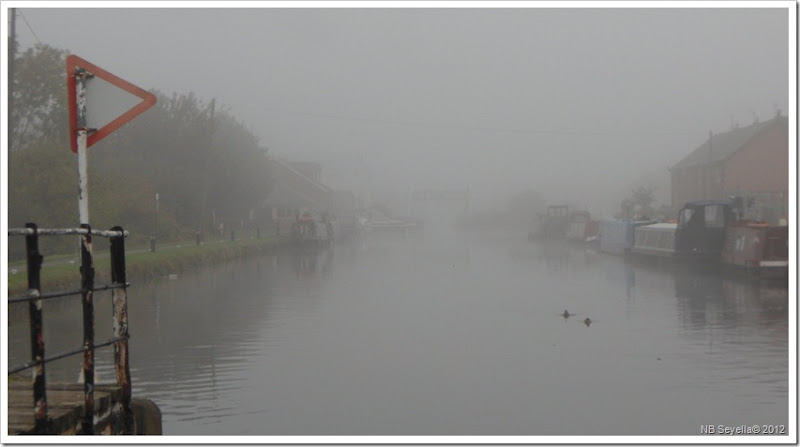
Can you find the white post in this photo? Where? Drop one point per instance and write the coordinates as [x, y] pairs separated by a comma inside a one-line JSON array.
[[83, 179], [83, 169]]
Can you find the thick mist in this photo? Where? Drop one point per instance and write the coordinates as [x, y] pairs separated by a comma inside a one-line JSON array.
[[579, 104]]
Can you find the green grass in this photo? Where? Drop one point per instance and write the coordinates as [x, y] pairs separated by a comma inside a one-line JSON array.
[[143, 265]]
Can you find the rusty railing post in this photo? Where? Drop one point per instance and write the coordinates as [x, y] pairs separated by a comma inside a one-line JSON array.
[[87, 286], [34, 261], [119, 301]]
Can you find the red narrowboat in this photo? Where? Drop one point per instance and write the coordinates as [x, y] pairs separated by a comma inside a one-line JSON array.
[[758, 247]]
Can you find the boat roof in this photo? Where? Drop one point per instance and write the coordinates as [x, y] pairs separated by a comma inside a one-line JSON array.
[[697, 203], [626, 221], [659, 226]]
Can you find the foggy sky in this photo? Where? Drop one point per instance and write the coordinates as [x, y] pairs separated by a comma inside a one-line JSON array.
[[579, 104]]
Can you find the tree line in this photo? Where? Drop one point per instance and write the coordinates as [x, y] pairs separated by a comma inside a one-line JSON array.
[[206, 165]]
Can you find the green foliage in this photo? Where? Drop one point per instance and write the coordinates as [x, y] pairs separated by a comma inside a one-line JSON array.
[[43, 181], [638, 204], [39, 98]]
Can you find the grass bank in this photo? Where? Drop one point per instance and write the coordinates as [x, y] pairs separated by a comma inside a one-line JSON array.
[[60, 274]]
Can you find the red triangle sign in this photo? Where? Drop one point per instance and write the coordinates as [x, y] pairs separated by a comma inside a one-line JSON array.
[[73, 64]]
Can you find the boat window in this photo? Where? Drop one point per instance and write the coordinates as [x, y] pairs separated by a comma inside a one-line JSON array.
[[715, 216], [685, 216]]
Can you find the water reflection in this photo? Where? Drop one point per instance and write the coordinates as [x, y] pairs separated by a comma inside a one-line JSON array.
[[202, 334], [453, 335], [714, 297], [702, 291]]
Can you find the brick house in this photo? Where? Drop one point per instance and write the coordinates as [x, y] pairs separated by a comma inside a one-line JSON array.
[[751, 162]]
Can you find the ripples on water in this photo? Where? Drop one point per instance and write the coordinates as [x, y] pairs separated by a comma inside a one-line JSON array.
[[458, 336]]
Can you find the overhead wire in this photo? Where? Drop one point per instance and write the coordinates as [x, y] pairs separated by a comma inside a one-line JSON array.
[[29, 26], [481, 128]]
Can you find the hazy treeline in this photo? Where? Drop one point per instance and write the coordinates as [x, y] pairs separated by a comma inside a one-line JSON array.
[[206, 165]]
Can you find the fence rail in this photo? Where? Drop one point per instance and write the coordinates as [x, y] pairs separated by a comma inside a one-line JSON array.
[[34, 298], [28, 231]]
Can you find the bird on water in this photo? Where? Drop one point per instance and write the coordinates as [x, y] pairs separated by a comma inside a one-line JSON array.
[[587, 321]]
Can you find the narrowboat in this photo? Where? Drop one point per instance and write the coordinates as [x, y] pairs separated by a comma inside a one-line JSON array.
[[592, 232], [376, 221], [758, 247], [655, 240], [581, 227], [308, 233], [617, 236], [701, 229], [698, 235]]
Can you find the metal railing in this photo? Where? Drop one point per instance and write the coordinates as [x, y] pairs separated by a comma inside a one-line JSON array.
[[34, 298]]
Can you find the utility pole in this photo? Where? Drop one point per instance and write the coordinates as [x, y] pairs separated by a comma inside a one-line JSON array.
[[12, 48], [210, 128]]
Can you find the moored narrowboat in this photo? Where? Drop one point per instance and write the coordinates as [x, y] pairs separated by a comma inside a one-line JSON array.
[[592, 231], [581, 227], [617, 236], [697, 236], [576, 226], [757, 247], [701, 229], [308, 233], [656, 240]]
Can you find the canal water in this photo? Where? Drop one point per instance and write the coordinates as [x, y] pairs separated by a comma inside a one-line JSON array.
[[445, 334]]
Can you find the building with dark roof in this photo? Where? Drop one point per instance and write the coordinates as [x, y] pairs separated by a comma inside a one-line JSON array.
[[750, 162], [297, 188]]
